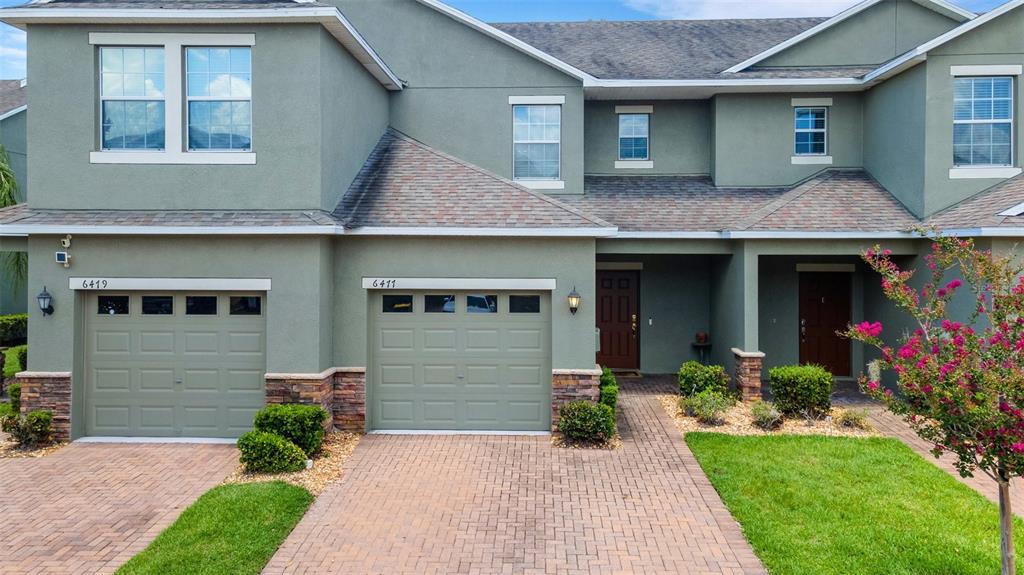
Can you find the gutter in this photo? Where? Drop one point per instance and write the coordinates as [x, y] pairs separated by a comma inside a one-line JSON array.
[[23, 230]]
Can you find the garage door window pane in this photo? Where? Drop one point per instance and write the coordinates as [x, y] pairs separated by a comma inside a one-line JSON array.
[[201, 305], [524, 304], [439, 304], [157, 305], [482, 303], [112, 305], [398, 304], [246, 305]]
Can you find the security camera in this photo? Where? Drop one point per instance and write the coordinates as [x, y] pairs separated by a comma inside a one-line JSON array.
[[65, 242]]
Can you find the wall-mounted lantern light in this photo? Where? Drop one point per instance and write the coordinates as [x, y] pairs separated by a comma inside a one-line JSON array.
[[574, 300], [45, 301]]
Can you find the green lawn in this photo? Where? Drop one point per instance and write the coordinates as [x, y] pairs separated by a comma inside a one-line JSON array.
[[11, 365], [816, 505], [231, 529]]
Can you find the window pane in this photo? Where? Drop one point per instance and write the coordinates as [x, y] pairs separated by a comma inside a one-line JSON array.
[[132, 124], [112, 305], [524, 304], [397, 303], [482, 303], [224, 123], [201, 305], [157, 305], [536, 133], [439, 304], [245, 305]]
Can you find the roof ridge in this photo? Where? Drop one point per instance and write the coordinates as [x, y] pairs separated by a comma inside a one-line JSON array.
[[482, 171], [361, 182], [789, 196]]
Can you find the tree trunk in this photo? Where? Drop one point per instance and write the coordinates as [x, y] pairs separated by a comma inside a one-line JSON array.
[[1006, 528]]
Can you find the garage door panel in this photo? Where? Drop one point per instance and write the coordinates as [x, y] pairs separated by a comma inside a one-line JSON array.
[[397, 375], [440, 340], [483, 413], [112, 417], [112, 342], [156, 380], [482, 339], [156, 420], [526, 413], [485, 376], [525, 340], [244, 380], [440, 375], [156, 342], [107, 379], [397, 339], [245, 343], [525, 376], [397, 411], [439, 411], [201, 380]]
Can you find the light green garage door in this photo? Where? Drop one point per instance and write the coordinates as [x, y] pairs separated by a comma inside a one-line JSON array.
[[173, 364], [460, 361]]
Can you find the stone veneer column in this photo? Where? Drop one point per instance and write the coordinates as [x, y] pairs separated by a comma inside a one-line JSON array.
[[350, 398], [748, 373], [303, 388], [50, 391], [570, 385]]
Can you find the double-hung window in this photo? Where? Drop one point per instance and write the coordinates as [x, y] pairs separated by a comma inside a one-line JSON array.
[[536, 142], [132, 100], [219, 93], [810, 131], [983, 121], [634, 136]]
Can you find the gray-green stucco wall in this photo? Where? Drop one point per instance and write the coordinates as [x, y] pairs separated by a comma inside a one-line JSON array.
[[680, 138], [754, 138], [569, 261], [295, 152], [13, 293], [873, 36], [894, 136], [458, 84]]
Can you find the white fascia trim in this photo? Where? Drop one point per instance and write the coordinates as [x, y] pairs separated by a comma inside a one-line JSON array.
[[168, 284], [505, 38], [983, 232], [1014, 211], [634, 109], [810, 102], [634, 164], [331, 18], [542, 184], [172, 157], [949, 9], [798, 235], [981, 173], [725, 83], [536, 100], [511, 284], [810, 160], [668, 236], [919, 54], [987, 70], [54, 229], [484, 232], [13, 112]]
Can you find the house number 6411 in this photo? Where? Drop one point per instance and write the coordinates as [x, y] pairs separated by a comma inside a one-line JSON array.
[[379, 283]]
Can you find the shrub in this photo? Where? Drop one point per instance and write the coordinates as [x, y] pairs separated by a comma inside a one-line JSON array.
[[31, 430], [14, 393], [302, 425], [801, 389], [695, 377], [13, 329], [609, 396], [708, 406], [853, 418], [23, 358], [765, 415], [607, 377], [265, 452], [585, 421]]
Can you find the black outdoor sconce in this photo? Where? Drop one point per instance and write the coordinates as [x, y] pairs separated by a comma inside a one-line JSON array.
[[574, 300], [45, 301]]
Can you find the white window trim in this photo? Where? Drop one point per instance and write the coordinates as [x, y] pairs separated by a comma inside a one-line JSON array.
[[537, 183], [811, 102], [634, 109], [536, 100], [987, 70], [983, 172], [823, 157], [621, 162], [542, 184], [811, 159], [979, 171], [635, 164], [175, 146]]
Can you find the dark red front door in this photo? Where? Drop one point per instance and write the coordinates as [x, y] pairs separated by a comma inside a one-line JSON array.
[[824, 310], [617, 309]]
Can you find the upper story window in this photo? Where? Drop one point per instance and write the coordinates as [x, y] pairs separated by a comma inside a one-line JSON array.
[[536, 142], [811, 129], [983, 121], [132, 101], [219, 94], [634, 136]]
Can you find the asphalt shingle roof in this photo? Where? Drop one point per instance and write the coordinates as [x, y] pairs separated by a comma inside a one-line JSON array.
[[982, 210], [22, 214], [12, 95], [657, 49], [405, 183], [169, 4]]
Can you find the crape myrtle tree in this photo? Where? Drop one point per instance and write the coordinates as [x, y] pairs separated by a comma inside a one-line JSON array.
[[960, 383]]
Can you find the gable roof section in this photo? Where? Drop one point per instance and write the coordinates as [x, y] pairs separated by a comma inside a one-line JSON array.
[[206, 11], [405, 184], [940, 6], [988, 209], [13, 97]]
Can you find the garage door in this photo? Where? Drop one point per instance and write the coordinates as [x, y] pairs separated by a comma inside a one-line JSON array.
[[173, 364], [460, 361]]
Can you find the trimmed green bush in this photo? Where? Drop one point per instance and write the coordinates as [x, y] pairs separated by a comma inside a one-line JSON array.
[[302, 425], [14, 393], [607, 377], [585, 421], [13, 329], [23, 358], [609, 396], [765, 415], [801, 389], [708, 406], [695, 377], [264, 452], [31, 430]]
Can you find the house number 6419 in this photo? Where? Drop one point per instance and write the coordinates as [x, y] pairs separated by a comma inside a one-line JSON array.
[[379, 283], [94, 284]]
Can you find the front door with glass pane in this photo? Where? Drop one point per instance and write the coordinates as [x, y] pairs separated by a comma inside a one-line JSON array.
[[460, 361]]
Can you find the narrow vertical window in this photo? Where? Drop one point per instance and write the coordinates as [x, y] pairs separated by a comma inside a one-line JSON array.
[[537, 136], [634, 136], [131, 98], [983, 121], [811, 128], [219, 94]]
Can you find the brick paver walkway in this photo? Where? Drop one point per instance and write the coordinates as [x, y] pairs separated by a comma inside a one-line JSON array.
[[500, 504], [88, 508]]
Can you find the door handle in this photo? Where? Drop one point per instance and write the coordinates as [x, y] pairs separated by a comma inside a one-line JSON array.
[[803, 330], [633, 323]]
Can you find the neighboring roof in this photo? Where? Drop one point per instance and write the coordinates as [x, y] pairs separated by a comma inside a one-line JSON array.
[[13, 97], [202, 12], [984, 210], [657, 49], [407, 184]]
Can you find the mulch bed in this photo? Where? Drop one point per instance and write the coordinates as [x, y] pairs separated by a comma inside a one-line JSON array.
[[558, 440], [327, 465], [10, 450], [737, 421]]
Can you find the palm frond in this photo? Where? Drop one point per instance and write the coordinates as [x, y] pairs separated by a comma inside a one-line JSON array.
[[9, 191]]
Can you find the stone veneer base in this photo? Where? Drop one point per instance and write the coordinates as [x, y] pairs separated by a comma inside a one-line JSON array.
[[50, 391], [341, 391], [570, 385], [749, 365]]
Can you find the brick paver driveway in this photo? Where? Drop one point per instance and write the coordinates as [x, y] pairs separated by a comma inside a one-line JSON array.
[[88, 508], [491, 504]]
